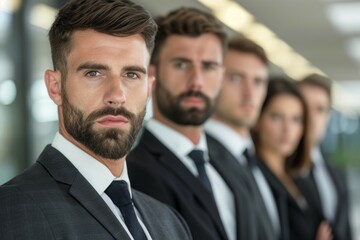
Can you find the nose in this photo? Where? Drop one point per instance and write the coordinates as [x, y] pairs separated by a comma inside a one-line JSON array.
[[115, 94], [196, 79], [247, 88]]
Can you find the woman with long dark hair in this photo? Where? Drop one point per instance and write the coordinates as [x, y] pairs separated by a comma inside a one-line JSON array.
[[281, 138]]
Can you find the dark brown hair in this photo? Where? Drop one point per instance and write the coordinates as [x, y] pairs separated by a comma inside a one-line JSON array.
[[114, 17], [300, 159], [189, 22], [245, 45], [319, 81]]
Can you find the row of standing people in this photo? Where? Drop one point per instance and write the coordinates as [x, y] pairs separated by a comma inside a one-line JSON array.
[[209, 171], [261, 173]]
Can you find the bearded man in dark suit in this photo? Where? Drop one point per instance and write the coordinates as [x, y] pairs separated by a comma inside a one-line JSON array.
[[79, 187]]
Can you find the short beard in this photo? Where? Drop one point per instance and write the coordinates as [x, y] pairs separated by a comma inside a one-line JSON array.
[[170, 106], [109, 143]]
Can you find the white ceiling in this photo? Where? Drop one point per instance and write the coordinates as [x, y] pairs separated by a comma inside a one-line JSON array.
[[303, 24]]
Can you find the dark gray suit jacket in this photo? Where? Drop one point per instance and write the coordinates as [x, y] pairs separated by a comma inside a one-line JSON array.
[[155, 170], [52, 200], [240, 178]]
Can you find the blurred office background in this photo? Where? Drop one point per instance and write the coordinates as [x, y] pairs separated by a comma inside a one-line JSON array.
[[300, 37]]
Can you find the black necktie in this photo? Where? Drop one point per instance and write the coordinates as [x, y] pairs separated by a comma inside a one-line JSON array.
[[251, 162], [198, 157], [119, 193]]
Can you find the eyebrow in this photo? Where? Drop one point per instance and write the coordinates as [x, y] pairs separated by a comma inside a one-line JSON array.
[[133, 68], [92, 66], [183, 59], [98, 66], [180, 59]]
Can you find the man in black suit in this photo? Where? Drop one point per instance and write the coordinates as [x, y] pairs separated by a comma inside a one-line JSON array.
[[79, 187], [325, 186], [173, 161], [240, 100]]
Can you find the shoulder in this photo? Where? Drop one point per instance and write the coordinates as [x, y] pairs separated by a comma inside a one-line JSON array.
[[162, 215], [19, 208]]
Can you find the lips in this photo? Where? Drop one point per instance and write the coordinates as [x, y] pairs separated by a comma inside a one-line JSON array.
[[113, 121], [194, 101]]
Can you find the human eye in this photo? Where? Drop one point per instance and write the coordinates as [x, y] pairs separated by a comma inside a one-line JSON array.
[[259, 82], [235, 78], [210, 66], [180, 64], [92, 73], [298, 119], [275, 116], [132, 75]]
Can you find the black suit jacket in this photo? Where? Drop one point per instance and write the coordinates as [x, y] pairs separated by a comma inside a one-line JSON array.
[[155, 170], [341, 225], [242, 180], [303, 221], [52, 200]]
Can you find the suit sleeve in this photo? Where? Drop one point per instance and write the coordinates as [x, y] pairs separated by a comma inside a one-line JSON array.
[[183, 223], [348, 232], [21, 218]]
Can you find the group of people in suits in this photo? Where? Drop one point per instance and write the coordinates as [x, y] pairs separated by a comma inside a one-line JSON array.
[[227, 154]]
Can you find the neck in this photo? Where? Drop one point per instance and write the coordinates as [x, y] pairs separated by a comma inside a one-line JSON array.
[[115, 166], [193, 133], [243, 131], [273, 160]]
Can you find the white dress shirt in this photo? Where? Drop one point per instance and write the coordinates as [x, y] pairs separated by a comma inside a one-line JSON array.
[[324, 185], [181, 146], [97, 174], [236, 145]]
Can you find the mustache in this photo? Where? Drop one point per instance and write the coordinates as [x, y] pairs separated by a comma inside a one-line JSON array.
[[110, 111], [193, 94]]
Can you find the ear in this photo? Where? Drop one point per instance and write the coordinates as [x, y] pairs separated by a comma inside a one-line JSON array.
[[152, 80], [53, 85]]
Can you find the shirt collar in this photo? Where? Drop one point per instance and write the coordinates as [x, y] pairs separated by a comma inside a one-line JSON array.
[[235, 143], [316, 156], [176, 142], [96, 173]]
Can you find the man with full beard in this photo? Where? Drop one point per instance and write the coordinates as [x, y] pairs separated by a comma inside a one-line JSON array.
[[79, 187], [173, 161]]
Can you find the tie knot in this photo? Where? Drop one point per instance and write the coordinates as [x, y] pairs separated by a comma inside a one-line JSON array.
[[198, 157], [118, 191], [249, 158]]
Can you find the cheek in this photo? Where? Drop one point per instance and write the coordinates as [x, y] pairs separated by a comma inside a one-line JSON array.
[[297, 133], [137, 100], [268, 131], [213, 86]]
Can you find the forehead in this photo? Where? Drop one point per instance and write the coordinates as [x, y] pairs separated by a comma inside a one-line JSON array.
[[237, 59], [247, 64], [314, 93], [204, 47], [286, 103], [94, 45]]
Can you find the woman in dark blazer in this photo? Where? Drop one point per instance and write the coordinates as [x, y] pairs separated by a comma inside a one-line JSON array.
[[282, 146]]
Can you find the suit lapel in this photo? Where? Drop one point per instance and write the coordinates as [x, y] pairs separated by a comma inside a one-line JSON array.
[[61, 169], [177, 168], [336, 179], [308, 187]]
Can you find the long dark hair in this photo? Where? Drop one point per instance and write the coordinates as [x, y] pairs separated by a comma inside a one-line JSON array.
[[300, 159]]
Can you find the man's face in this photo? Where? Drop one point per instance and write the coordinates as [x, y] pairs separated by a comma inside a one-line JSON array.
[[104, 94], [189, 75], [244, 89], [319, 108]]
